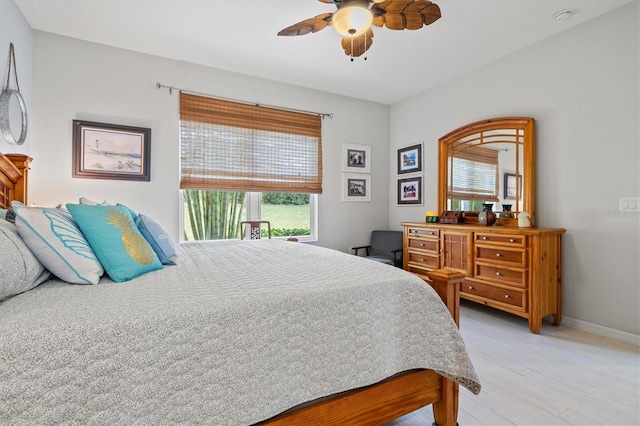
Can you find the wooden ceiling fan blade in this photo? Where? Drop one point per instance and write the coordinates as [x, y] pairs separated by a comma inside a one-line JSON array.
[[431, 14], [378, 19], [311, 25], [356, 46], [395, 5], [405, 14], [396, 20]]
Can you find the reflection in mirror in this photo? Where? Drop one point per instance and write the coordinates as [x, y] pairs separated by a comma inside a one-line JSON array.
[[488, 162]]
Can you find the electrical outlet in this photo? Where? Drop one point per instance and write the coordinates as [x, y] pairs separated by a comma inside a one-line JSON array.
[[630, 204]]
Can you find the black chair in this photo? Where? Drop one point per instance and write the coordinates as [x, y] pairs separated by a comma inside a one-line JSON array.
[[385, 246]]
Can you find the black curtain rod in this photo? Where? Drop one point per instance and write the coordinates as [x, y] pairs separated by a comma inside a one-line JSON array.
[[171, 89]]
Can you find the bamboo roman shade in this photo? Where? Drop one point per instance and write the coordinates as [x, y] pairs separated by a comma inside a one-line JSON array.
[[228, 145], [474, 174]]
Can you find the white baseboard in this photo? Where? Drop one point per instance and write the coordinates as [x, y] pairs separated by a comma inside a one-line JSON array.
[[612, 333]]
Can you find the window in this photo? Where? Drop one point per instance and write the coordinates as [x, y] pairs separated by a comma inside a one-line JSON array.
[[242, 162], [290, 215], [212, 215]]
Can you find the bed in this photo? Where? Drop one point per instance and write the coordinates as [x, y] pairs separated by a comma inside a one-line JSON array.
[[237, 332]]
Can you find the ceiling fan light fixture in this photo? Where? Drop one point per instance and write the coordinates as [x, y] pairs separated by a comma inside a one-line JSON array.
[[352, 21]]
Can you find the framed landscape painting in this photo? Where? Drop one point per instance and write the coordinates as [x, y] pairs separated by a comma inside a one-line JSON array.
[[110, 151], [410, 159]]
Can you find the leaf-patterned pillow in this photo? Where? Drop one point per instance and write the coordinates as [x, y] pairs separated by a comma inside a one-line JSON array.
[[55, 239]]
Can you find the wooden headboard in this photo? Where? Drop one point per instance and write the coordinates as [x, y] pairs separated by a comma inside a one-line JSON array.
[[14, 177]]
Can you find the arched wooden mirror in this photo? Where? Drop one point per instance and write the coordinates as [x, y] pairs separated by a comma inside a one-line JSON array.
[[488, 162]]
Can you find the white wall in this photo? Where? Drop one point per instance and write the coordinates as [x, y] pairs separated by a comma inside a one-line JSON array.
[[73, 79], [582, 87], [15, 29]]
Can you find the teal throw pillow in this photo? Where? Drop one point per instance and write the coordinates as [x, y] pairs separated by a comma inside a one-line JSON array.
[[115, 239]]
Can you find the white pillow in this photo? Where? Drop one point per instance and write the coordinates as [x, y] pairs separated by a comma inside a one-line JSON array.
[[87, 201], [57, 242]]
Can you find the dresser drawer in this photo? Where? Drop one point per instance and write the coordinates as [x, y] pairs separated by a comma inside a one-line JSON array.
[[503, 255], [431, 261], [514, 298], [424, 244], [424, 232], [514, 277], [511, 240]]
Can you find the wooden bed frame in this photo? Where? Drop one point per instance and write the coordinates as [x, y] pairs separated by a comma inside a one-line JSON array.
[[14, 176], [371, 405]]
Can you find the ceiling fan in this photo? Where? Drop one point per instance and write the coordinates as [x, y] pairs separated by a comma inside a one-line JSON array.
[[353, 20]]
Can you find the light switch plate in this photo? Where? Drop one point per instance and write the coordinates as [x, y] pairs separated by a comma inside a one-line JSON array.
[[630, 204]]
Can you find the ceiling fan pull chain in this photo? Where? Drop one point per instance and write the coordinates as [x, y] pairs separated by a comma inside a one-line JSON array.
[[351, 49]]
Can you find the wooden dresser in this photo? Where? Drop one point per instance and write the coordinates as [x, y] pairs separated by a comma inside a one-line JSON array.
[[516, 270]]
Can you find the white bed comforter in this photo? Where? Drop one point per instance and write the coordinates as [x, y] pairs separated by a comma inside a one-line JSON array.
[[236, 333]]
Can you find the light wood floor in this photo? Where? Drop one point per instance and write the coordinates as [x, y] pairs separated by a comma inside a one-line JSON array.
[[562, 376]]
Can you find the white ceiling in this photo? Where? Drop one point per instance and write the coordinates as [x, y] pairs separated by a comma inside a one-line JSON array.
[[240, 36]]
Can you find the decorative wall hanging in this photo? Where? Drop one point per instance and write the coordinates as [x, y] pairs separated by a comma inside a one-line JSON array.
[[5, 99], [410, 190], [356, 187], [356, 158], [410, 159], [111, 151]]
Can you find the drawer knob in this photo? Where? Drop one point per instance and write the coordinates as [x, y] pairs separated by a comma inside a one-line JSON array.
[[498, 273], [470, 288], [422, 259], [506, 296], [484, 238], [421, 244], [498, 255], [511, 240]]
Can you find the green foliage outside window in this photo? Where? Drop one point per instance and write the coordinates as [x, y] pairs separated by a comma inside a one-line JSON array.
[[212, 215], [285, 198]]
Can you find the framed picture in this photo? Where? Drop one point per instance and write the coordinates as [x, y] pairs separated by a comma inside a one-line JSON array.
[[110, 151], [356, 187], [410, 190], [410, 159], [356, 158], [510, 186]]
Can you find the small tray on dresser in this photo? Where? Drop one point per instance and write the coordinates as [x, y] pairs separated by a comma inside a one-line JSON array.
[[451, 216]]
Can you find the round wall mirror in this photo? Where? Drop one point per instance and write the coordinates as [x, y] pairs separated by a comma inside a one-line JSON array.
[[488, 162], [13, 117]]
